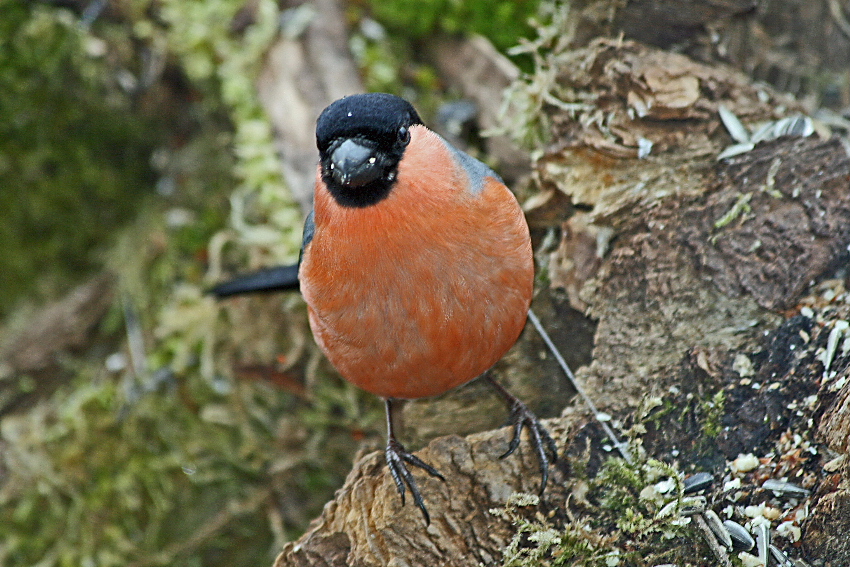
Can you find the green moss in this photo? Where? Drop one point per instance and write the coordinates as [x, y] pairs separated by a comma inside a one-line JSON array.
[[503, 22], [91, 484], [645, 502], [740, 209], [688, 421], [621, 489], [225, 65], [635, 514], [525, 116], [74, 155], [712, 411], [180, 464], [539, 542]]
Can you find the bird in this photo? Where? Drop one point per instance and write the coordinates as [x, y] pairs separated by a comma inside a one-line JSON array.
[[416, 267]]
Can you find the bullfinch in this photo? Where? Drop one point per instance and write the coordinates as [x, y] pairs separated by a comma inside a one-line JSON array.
[[416, 267]]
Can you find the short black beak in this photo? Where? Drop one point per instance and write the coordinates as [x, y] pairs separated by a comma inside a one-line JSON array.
[[354, 165]]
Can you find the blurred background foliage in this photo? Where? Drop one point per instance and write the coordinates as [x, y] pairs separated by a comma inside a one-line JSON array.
[[127, 131], [73, 152], [503, 23]]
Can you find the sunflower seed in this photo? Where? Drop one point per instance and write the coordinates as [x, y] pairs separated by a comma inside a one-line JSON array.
[[735, 150], [733, 125], [697, 482], [779, 557], [741, 538], [717, 528], [781, 487], [763, 541]]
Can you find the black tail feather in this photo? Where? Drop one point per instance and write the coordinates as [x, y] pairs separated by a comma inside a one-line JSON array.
[[280, 278]]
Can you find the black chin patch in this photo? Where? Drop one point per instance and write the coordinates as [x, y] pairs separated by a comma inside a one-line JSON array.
[[359, 197]]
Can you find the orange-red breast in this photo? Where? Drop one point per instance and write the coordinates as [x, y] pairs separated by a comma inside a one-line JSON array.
[[417, 266]]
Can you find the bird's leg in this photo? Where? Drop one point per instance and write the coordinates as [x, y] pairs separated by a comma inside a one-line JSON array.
[[521, 417], [397, 456]]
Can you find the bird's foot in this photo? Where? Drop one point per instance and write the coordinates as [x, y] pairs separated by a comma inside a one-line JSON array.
[[544, 445], [397, 456], [521, 416]]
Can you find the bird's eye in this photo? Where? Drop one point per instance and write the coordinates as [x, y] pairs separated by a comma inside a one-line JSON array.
[[403, 135]]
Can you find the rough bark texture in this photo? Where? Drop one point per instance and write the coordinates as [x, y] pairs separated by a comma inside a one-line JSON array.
[[828, 530], [676, 20], [797, 47], [835, 424], [366, 525], [652, 297], [798, 223]]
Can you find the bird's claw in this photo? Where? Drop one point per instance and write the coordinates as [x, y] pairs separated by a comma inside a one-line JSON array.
[[397, 456], [543, 443]]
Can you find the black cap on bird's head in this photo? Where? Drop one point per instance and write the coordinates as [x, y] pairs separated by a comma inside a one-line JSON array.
[[361, 139]]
